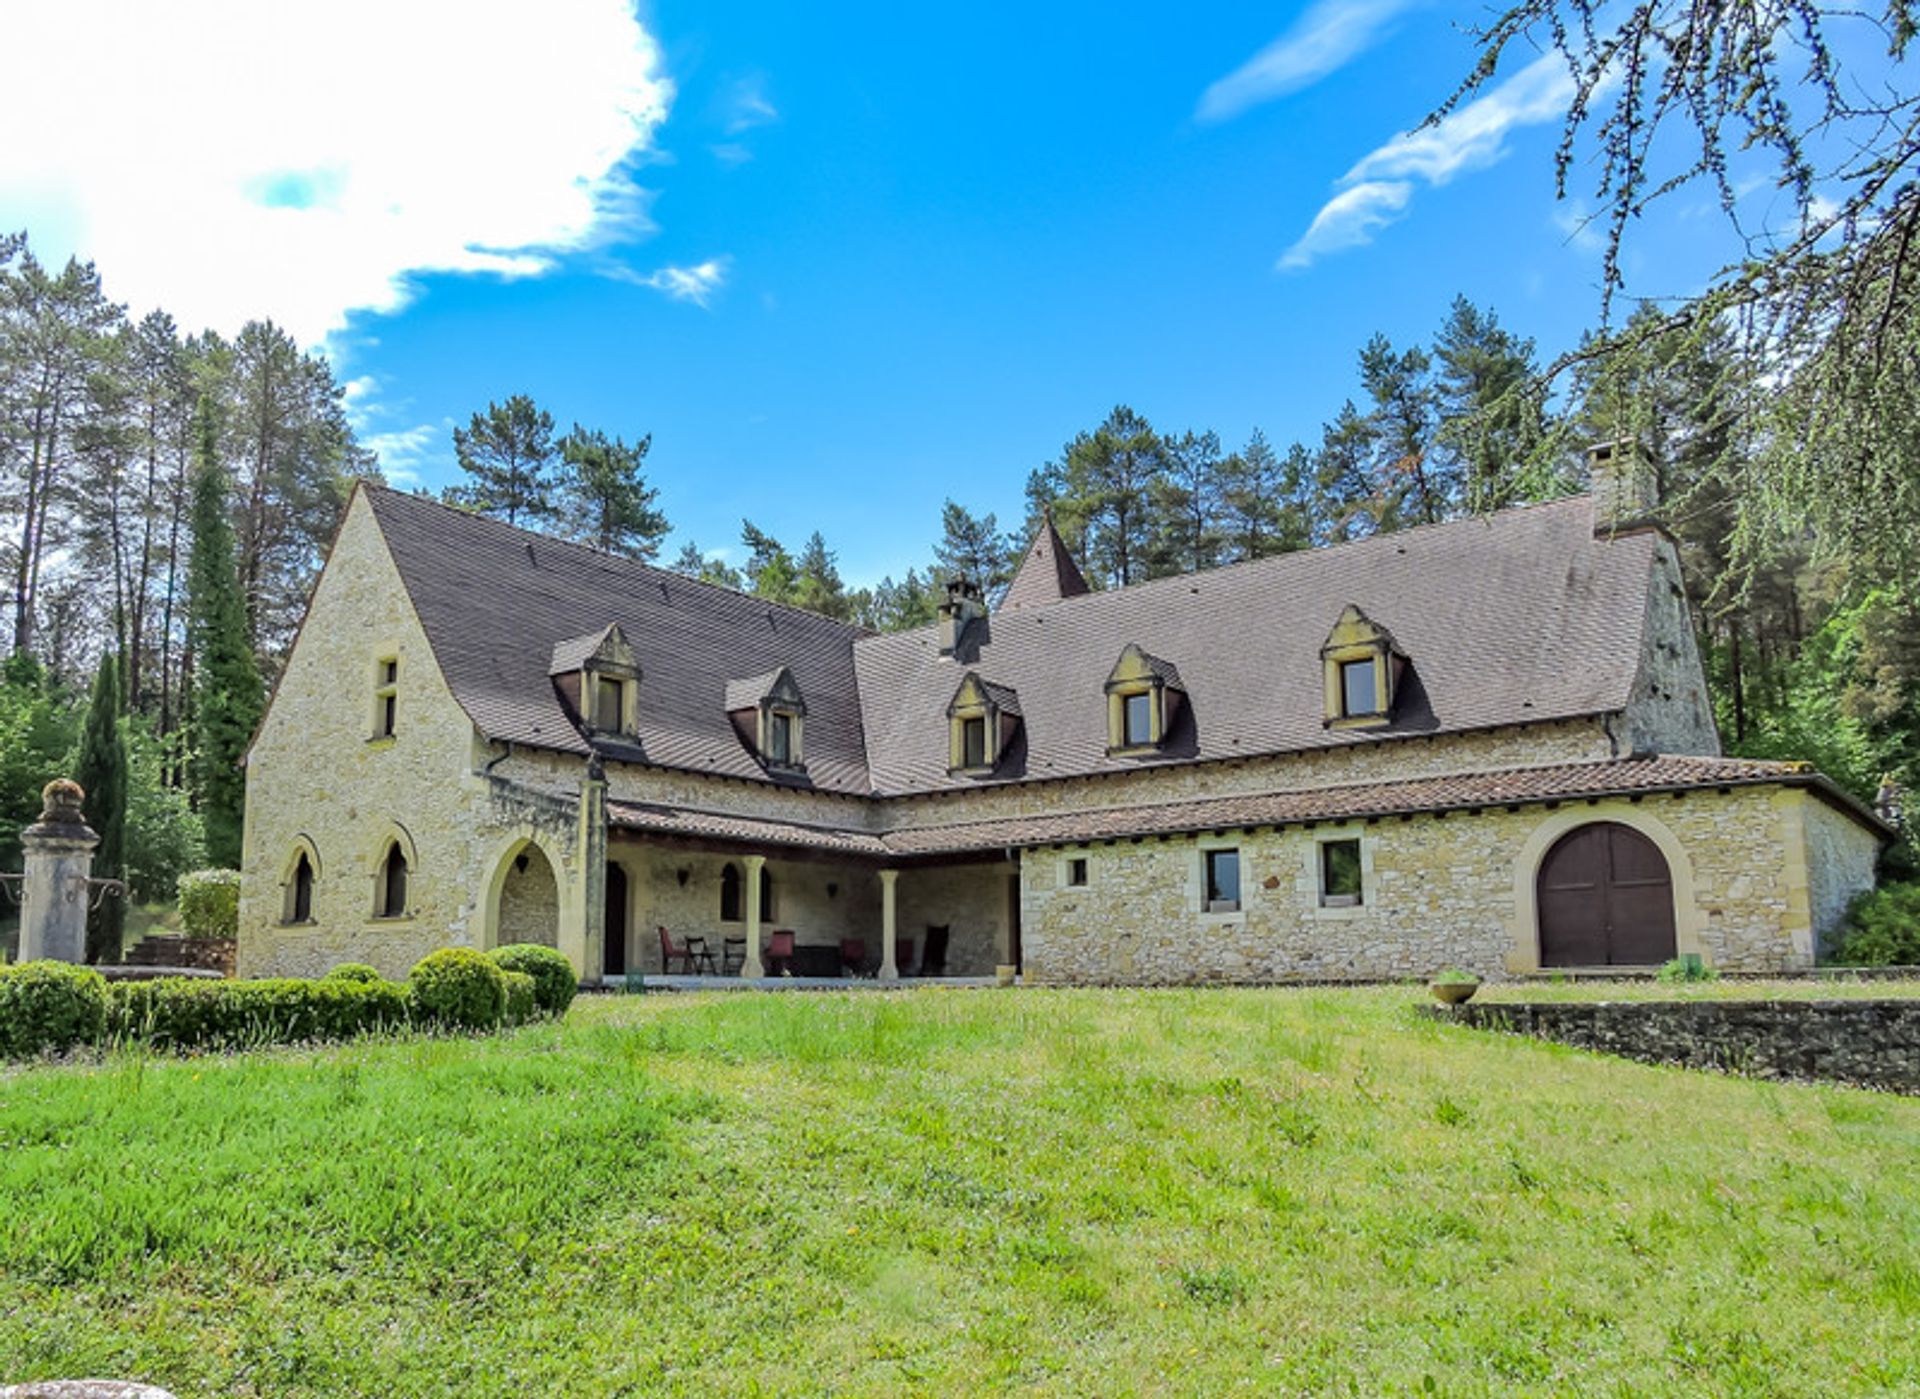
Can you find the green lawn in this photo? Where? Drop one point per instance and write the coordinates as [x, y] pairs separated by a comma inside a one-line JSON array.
[[958, 1192]]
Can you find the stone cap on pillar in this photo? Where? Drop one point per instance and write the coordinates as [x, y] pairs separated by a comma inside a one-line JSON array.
[[61, 818]]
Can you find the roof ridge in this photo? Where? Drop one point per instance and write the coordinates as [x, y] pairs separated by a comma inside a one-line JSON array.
[[1312, 551], [623, 560]]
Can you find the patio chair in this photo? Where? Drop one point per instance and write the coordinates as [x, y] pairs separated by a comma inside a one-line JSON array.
[[903, 955], [671, 951], [934, 961], [853, 956], [733, 955], [779, 951]]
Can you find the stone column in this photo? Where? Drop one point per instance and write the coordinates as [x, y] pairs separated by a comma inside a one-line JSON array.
[[592, 854], [751, 968], [57, 853], [889, 926]]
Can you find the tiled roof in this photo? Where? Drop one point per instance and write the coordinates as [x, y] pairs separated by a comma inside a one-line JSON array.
[[1466, 791], [747, 694], [495, 601], [1047, 573], [1517, 617]]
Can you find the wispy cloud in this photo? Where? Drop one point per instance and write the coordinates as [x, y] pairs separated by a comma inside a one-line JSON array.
[[746, 105], [696, 283], [404, 452], [1328, 36], [1378, 189], [461, 148]]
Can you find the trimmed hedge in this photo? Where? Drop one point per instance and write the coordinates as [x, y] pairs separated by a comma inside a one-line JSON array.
[[458, 988], [520, 994], [183, 1013], [210, 903], [554, 984], [49, 1008], [355, 971]]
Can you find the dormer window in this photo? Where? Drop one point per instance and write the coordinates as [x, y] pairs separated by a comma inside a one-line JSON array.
[[1143, 696], [770, 717], [1363, 670], [600, 678], [981, 723]]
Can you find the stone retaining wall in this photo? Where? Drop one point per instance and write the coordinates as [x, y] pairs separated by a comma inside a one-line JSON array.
[[1868, 1043]]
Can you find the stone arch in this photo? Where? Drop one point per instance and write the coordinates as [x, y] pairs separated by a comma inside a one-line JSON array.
[[508, 884], [303, 848], [1523, 953], [394, 838], [529, 900]]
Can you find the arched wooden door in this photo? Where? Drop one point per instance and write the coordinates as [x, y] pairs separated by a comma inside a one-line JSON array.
[[1605, 897]]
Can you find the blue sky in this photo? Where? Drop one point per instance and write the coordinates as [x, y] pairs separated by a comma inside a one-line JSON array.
[[841, 261]]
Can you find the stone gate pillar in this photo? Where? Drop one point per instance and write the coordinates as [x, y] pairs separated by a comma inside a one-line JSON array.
[[57, 855]]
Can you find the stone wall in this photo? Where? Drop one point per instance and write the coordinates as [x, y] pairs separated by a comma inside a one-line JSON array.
[[1452, 891], [974, 902], [530, 902], [1842, 860], [1871, 1043]]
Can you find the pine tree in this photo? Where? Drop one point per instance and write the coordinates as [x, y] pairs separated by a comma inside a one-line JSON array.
[[605, 501], [972, 546], [227, 691], [507, 453], [101, 771]]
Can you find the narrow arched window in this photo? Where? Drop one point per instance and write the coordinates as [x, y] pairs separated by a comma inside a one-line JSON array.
[[393, 883], [730, 894], [300, 891]]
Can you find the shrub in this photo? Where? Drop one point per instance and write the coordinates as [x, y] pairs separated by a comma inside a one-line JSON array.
[[355, 971], [1687, 968], [210, 903], [1454, 976], [458, 988], [554, 983], [50, 1007], [520, 997], [189, 1013], [1883, 929]]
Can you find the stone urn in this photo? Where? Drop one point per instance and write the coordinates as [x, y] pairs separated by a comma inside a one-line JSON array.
[[1453, 993]]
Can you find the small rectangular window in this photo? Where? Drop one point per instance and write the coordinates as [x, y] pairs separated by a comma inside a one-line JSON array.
[[973, 742], [1139, 720], [1077, 871], [1223, 881], [780, 738], [607, 705], [1340, 884], [386, 697], [1358, 693]]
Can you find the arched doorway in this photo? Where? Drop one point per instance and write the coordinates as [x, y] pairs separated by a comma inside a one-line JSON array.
[[529, 900], [616, 927], [1605, 899]]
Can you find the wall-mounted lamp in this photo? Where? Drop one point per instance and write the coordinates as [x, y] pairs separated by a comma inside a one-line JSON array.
[[520, 862], [833, 890], [683, 874]]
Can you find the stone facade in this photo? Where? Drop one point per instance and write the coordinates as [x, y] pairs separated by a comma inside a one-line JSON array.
[[505, 843], [1438, 892]]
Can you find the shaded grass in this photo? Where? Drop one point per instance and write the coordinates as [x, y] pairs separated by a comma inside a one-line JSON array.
[[956, 1192]]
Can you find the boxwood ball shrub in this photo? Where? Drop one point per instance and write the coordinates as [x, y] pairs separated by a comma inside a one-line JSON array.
[[554, 983], [520, 1004], [355, 971], [49, 1008], [210, 903], [458, 988]]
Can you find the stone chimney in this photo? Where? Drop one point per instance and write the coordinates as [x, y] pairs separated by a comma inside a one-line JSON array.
[[961, 607], [1625, 493]]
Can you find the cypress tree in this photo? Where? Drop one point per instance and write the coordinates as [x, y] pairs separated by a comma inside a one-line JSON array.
[[102, 772], [226, 691]]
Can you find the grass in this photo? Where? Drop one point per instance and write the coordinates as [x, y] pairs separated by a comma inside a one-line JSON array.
[[955, 1192]]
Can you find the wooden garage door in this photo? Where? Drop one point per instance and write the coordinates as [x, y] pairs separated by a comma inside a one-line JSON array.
[[1605, 900]]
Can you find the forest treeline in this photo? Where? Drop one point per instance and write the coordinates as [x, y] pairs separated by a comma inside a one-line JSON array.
[[124, 441]]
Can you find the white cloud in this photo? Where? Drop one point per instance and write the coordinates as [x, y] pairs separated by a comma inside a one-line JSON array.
[[1326, 37], [228, 160], [1377, 190], [747, 105], [404, 452], [697, 283]]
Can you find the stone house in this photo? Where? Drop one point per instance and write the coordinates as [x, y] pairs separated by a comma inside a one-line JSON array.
[[1484, 744]]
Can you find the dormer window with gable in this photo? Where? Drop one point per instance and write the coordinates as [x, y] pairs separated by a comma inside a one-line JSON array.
[[1144, 695], [1363, 672], [770, 717], [599, 677], [981, 722]]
